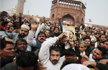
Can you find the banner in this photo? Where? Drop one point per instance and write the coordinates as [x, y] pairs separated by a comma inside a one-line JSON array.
[[68, 29]]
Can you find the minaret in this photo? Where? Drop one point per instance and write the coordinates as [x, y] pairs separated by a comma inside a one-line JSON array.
[[28, 12], [20, 6]]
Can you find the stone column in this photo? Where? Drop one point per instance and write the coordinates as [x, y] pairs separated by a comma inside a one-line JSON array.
[[20, 6], [57, 1], [81, 5]]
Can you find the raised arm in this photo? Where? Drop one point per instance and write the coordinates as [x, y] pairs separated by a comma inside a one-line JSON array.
[[44, 53], [98, 65], [40, 27], [5, 36], [61, 27], [30, 39], [2, 34]]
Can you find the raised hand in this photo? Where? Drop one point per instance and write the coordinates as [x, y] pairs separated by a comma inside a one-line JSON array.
[[61, 35], [85, 56], [8, 39], [34, 26], [86, 63], [103, 61]]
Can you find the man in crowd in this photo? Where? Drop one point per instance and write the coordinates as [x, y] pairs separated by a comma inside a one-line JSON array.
[[7, 52], [102, 38], [47, 33], [15, 36], [56, 32], [22, 34], [83, 35], [21, 46], [98, 59], [89, 47], [106, 47], [24, 61], [50, 56], [35, 42]]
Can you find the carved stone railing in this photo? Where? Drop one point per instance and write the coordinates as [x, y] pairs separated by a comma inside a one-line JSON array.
[[69, 6]]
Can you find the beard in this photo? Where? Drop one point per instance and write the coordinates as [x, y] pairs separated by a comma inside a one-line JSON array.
[[22, 35], [54, 61], [56, 34], [19, 51], [22, 48]]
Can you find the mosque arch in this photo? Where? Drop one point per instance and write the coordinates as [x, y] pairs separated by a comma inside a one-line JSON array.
[[52, 16], [68, 18]]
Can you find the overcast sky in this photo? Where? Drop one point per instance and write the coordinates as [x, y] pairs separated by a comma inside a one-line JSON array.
[[96, 10]]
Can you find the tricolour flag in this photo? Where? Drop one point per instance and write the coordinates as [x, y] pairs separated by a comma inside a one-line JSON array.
[[90, 20]]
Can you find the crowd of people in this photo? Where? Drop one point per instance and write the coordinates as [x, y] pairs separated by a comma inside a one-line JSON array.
[[34, 44]]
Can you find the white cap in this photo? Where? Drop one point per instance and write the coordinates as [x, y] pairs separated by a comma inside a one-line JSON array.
[[75, 67], [37, 19], [93, 39], [9, 23], [25, 26]]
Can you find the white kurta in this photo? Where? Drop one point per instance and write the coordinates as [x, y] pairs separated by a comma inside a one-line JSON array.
[[44, 54], [75, 67]]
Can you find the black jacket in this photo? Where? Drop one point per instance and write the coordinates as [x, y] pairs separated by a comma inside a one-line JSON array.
[[102, 66]]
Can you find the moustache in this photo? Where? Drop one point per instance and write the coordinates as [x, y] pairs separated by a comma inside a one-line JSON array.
[[42, 39], [22, 47], [22, 34], [55, 60]]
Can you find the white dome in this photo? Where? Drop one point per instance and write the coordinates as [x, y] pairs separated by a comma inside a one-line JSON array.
[[10, 13]]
